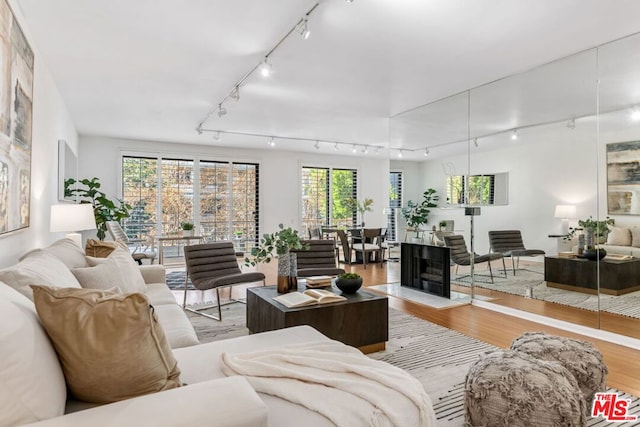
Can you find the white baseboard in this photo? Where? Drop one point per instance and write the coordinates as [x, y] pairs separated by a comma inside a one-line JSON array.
[[560, 324]]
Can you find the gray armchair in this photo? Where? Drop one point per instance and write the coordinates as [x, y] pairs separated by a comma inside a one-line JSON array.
[[509, 243], [214, 265], [318, 260], [461, 256]]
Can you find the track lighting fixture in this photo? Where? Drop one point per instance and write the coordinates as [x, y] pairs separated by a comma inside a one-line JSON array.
[[365, 150], [272, 142], [514, 134], [221, 110], [353, 149], [235, 93], [475, 142], [265, 68], [426, 151], [303, 28], [199, 130], [400, 155], [377, 149], [317, 145], [635, 115], [216, 136], [335, 147]]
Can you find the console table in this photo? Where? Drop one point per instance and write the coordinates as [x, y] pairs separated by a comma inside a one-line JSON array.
[[426, 268]]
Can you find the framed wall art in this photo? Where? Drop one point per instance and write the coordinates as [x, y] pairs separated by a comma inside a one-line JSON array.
[[623, 178], [16, 98]]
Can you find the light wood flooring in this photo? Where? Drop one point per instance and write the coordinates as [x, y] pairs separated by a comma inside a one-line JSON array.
[[493, 327]]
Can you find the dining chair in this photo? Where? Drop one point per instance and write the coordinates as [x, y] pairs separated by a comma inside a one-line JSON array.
[[139, 248], [370, 243]]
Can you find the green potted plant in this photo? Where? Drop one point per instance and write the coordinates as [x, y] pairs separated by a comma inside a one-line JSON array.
[[277, 245], [349, 283], [187, 228], [417, 214], [361, 207], [442, 224], [104, 209]]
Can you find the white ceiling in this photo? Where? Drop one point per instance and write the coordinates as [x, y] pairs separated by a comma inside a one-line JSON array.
[[153, 69]]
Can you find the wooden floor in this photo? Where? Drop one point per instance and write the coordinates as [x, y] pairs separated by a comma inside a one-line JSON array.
[[497, 328]]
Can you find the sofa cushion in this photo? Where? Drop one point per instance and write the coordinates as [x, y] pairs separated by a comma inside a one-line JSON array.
[[111, 346], [38, 268], [176, 324], [635, 237], [33, 386], [102, 277], [619, 236], [126, 266]]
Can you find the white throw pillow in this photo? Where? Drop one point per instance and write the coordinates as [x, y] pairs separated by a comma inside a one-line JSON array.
[[67, 251], [102, 277], [33, 386], [38, 268], [619, 236], [131, 276]]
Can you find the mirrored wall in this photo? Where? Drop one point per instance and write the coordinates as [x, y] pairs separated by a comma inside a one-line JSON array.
[[557, 146]]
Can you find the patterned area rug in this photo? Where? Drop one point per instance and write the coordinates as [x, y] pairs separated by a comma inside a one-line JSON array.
[[531, 284], [438, 357], [175, 281]]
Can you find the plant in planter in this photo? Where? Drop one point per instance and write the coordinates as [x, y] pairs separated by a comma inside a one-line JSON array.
[[104, 209], [595, 232], [349, 283], [417, 214], [278, 245], [187, 228], [361, 207], [442, 225]]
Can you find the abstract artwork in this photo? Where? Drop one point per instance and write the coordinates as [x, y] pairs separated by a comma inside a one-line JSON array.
[[16, 100], [623, 178]]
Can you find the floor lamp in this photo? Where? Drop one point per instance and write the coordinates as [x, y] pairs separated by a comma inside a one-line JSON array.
[[72, 218]]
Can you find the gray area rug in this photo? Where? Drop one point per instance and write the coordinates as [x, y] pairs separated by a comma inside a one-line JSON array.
[[530, 284], [175, 281], [438, 357]]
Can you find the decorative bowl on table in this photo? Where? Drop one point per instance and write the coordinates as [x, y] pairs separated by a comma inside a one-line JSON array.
[[349, 283], [594, 254]]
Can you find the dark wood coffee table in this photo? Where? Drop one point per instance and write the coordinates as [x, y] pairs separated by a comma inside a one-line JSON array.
[[617, 277], [361, 321]]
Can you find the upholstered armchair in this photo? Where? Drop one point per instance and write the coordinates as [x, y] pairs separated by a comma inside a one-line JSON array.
[[509, 243], [461, 256]]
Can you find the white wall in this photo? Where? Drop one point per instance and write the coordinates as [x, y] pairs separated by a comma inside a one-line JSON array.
[[279, 173], [51, 122]]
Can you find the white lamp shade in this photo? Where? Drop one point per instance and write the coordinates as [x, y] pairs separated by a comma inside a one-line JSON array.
[[72, 217], [565, 211]]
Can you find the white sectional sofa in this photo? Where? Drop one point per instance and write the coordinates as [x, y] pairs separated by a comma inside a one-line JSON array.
[[33, 386]]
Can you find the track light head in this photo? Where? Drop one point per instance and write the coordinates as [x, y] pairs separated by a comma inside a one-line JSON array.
[[199, 129], [475, 142], [635, 115], [265, 68], [221, 110], [303, 28], [426, 151], [514, 134], [317, 145], [400, 154], [235, 93], [217, 136], [365, 150], [354, 149], [335, 147], [272, 142]]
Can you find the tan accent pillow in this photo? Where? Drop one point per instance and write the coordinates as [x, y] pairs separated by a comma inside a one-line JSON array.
[[635, 237], [127, 267], [101, 249], [102, 276], [619, 236], [111, 347]]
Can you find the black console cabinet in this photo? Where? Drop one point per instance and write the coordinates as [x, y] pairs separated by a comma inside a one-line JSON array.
[[426, 268]]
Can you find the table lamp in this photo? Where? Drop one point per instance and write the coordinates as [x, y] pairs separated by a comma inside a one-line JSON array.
[[565, 212], [72, 217]]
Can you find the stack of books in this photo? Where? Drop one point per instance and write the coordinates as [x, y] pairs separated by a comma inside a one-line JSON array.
[[566, 255], [318, 281]]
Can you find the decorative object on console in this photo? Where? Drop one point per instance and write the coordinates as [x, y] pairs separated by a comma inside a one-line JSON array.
[[417, 214], [349, 283], [72, 217], [565, 213], [16, 110], [104, 209], [279, 244], [593, 253]]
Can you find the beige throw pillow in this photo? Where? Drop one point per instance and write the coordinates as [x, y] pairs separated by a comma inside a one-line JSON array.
[[100, 248], [619, 236], [111, 347], [102, 277], [126, 266]]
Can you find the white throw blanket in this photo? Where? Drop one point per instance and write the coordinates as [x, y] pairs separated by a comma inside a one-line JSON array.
[[336, 381]]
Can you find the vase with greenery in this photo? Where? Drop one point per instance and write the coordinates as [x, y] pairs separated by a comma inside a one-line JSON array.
[[361, 207], [278, 245], [595, 231], [417, 214], [104, 209], [187, 228]]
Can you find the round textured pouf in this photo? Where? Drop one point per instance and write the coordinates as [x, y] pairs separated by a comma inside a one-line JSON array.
[[581, 358], [509, 388]]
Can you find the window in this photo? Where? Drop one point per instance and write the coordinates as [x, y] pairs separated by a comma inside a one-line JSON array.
[[395, 204], [220, 197], [482, 189], [325, 192]]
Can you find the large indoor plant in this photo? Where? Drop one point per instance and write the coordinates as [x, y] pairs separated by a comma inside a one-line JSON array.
[[417, 214], [104, 209], [278, 245]]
